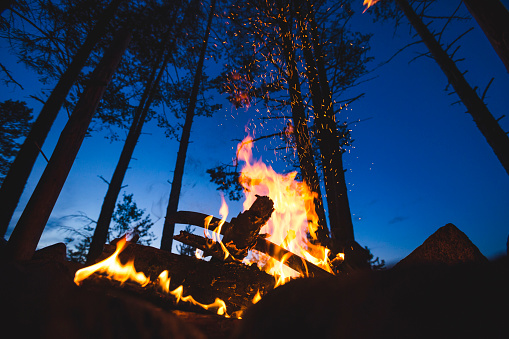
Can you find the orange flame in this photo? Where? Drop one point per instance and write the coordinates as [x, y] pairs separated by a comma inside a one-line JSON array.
[[164, 282], [216, 233], [368, 4], [115, 270], [294, 217]]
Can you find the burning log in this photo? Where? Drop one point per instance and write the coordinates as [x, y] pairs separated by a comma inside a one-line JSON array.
[[211, 248], [241, 235], [40, 300], [244, 230], [208, 246], [235, 284], [293, 261]]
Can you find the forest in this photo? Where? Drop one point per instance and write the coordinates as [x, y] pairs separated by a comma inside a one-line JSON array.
[[115, 105]]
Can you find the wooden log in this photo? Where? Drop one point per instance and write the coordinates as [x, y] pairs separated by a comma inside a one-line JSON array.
[[40, 300], [243, 232], [208, 246], [292, 260], [236, 284], [295, 262], [197, 219]]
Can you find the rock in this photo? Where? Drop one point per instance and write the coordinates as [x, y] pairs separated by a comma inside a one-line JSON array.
[[432, 301], [448, 245], [56, 252]]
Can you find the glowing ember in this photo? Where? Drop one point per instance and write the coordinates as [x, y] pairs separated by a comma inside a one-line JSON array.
[[115, 270], [368, 4], [294, 220], [257, 297], [238, 86]]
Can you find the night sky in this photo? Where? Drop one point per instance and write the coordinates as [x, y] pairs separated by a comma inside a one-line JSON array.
[[417, 163]]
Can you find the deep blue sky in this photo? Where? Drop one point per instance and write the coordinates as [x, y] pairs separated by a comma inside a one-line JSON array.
[[418, 163]]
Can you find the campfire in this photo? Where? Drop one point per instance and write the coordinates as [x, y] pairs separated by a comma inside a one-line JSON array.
[[276, 232]]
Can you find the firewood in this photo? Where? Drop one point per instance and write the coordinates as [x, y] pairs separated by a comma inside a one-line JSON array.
[[243, 232], [292, 260], [239, 235], [197, 219], [40, 300], [208, 246], [236, 284], [211, 248]]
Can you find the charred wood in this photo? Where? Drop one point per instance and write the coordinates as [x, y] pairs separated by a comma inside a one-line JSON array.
[[40, 300], [295, 262], [244, 230], [208, 246], [292, 260], [235, 284], [242, 234]]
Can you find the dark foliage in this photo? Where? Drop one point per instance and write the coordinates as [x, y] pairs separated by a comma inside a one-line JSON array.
[[185, 249], [128, 218], [375, 263], [15, 119], [227, 180]]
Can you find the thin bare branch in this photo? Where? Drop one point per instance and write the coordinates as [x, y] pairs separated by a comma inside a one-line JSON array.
[[486, 89], [6, 71], [45, 34], [397, 52]]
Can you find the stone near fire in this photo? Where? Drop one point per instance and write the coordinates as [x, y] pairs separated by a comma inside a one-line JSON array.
[[56, 252], [426, 301], [448, 245]]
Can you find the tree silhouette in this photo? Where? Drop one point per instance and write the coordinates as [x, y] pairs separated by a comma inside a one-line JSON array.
[[20, 169], [128, 218], [176, 184], [28, 230], [487, 124], [164, 54], [15, 119]]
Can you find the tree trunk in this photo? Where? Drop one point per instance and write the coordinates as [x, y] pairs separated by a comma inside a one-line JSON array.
[[19, 171], [301, 132], [176, 185], [108, 207], [487, 124], [493, 17], [328, 138], [26, 235]]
